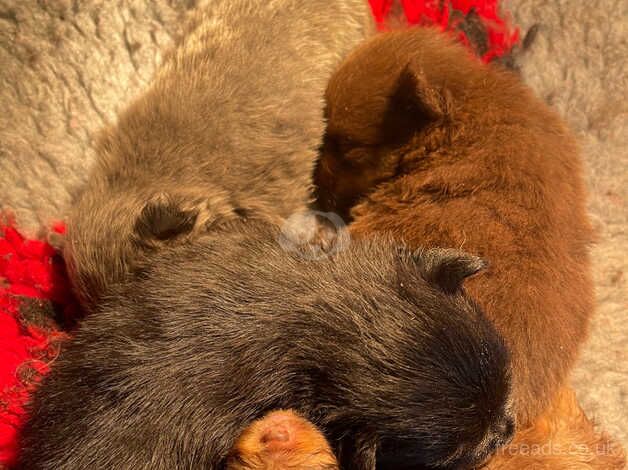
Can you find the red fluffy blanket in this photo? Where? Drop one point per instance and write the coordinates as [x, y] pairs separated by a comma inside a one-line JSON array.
[[37, 308]]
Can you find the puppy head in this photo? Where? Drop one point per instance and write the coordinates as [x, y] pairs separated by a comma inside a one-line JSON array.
[[437, 392], [111, 232], [281, 440], [465, 396], [377, 103]]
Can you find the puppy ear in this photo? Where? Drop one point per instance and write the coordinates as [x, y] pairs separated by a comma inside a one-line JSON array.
[[414, 102], [163, 219], [414, 88], [447, 268]]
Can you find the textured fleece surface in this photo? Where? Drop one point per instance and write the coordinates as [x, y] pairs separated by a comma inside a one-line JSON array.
[[67, 66], [578, 63]]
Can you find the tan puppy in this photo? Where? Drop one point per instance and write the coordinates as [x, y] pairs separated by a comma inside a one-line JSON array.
[[282, 440], [228, 129], [442, 150]]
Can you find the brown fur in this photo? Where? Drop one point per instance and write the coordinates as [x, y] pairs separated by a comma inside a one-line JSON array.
[[562, 438], [442, 150], [282, 440]]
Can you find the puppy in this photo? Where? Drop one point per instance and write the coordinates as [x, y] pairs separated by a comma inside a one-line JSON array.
[[282, 440], [378, 346], [229, 128], [427, 143]]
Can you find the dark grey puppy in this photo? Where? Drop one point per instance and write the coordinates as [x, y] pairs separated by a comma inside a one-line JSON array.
[[378, 346], [229, 128]]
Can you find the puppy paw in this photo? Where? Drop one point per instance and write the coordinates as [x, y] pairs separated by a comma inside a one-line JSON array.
[[282, 440]]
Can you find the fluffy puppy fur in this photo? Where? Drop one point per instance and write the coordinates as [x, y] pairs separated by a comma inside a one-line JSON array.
[[282, 440], [379, 346], [229, 128], [562, 438], [427, 143]]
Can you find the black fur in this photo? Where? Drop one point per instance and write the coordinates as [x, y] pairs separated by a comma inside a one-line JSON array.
[[217, 332]]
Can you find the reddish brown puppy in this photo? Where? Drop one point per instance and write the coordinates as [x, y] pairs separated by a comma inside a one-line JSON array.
[[426, 142], [282, 440]]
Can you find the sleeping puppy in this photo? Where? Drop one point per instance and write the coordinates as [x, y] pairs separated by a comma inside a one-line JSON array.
[[378, 346], [229, 128], [282, 440], [427, 143]]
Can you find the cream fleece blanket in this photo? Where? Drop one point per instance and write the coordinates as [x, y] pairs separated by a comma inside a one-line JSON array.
[[66, 67]]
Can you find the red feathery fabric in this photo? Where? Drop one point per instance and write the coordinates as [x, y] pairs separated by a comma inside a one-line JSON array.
[[33, 283], [36, 303], [451, 15]]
